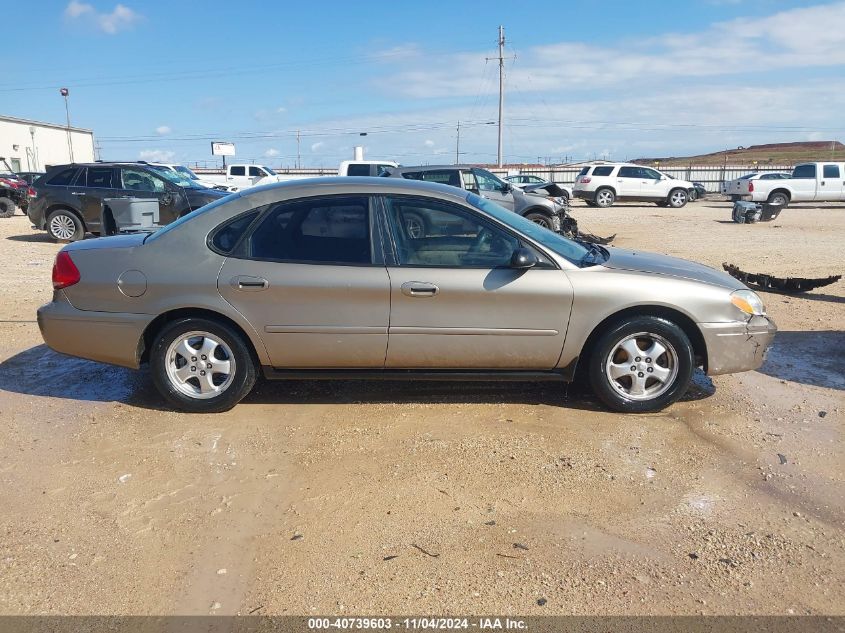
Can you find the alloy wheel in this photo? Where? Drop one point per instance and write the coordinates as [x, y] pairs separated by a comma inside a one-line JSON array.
[[62, 227], [200, 365], [642, 366]]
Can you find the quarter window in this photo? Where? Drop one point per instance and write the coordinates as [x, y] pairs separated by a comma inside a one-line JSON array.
[[101, 177], [63, 178], [604, 170], [434, 233], [332, 230], [831, 171], [226, 237]]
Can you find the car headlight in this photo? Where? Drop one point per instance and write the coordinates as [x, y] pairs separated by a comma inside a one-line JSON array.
[[749, 302]]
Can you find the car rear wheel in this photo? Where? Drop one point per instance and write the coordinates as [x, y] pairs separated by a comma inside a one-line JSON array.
[[65, 226], [778, 198], [605, 198], [201, 366], [641, 364], [693, 195], [677, 198], [540, 218], [7, 208]]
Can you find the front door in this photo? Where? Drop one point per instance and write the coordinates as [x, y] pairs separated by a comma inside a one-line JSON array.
[[455, 301], [140, 183], [306, 281], [93, 185], [493, 189]]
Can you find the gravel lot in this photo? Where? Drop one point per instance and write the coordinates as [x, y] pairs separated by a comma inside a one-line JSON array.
[[348, 497]]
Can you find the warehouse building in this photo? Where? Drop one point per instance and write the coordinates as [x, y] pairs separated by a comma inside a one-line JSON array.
[[36, 146]]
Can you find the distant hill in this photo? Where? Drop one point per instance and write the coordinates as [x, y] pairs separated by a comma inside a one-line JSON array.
[[771, 154]]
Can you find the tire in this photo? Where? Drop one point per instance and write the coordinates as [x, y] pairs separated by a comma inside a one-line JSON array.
[[65, 226], [677, 198], [540, 218], [415, 226], [778, 198], [224, 347], [605, 197], [692, 195], [610, 362], [7, 207]]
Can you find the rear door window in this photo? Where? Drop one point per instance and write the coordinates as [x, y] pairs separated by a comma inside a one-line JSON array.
[[358, 170], [240, 170], [831, 171], [63, 178], [100, 177], [442, 176], [629, 172]]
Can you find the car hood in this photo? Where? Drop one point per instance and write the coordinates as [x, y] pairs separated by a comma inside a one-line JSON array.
[[641, 261]]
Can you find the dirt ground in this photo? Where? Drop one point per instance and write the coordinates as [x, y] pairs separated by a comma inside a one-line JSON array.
[[357, 498]]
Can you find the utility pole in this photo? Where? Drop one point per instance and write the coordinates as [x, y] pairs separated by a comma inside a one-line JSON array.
[[458, 145], [65, 92], [298, 163], [501, 89]]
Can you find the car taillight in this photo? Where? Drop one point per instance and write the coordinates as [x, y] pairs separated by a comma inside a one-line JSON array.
[[65, 272], [31, 192], [750, 186], [585, 180]]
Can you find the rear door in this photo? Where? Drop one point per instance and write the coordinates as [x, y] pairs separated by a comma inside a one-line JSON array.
[[455, 301], [236, 177], [93, 185], [308, 281], [830, 184], [804, 182], [628, 182]]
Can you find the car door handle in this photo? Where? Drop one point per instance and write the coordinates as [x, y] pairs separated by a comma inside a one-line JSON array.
[[249, 284], [77, 193], [419, 289]]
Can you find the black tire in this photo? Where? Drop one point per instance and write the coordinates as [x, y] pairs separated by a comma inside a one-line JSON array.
[[778, 198], [242, 379], [605, 197], [540, 218], [614, 393], [65, 226], [415, 225], [7, 207], [692, 195], [677, 198]]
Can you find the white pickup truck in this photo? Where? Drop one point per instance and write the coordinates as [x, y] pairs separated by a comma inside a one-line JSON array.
[[239, 177], [809, 182]]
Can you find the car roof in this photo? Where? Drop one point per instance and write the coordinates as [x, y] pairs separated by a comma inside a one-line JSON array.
[[405, 168], [359, 184]]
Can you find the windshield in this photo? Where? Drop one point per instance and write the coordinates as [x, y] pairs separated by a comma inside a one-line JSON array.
[[270, 171], [570, 249], [176, 177], [187, 173]]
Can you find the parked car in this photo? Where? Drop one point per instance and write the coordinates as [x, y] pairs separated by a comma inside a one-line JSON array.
[[69, 198], [29, 176], [698, 191], [238, 177], [542, 208], [364, 167], [824, 181], [322, 279], [528, 182], [738, 187], [603, 184]]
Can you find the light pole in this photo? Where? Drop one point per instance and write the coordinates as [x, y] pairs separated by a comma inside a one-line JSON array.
[[34, 157], [65, 92]]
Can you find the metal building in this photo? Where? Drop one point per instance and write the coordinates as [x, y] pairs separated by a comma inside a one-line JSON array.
[[36, 146]]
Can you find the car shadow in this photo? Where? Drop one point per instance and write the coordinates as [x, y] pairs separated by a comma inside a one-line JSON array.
[[809, 358], [31, 237], [88, 381]]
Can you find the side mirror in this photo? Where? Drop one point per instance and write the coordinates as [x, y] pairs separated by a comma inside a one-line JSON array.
[[523, 259], [507, 187]]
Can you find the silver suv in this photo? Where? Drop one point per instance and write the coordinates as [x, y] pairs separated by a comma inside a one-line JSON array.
[[541, 208], [603, 184]]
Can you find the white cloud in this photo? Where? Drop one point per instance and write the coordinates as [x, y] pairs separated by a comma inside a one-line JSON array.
[[119, 19], [317, 146], [270, 153], [156, 155], [281, 110], [428, 142], [161, 130]]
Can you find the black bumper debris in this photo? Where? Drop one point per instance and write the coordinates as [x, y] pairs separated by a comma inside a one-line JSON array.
[[779, 284]]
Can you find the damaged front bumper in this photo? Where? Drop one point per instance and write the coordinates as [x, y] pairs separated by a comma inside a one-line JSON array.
[[737, 346]]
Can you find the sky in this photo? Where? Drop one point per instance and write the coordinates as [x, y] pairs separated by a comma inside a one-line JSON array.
[[619, 80]]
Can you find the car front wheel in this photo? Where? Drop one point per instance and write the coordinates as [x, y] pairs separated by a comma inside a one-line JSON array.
[[540, 218], [641, 364], [677, 198], [201, 366]]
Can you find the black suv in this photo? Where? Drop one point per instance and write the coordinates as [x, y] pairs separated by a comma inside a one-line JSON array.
[[69, 198]]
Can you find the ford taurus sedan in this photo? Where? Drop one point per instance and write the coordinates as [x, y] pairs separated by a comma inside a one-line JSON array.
[[324, 278]]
